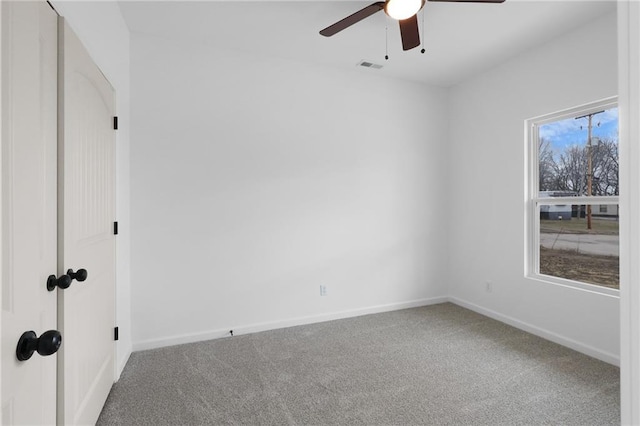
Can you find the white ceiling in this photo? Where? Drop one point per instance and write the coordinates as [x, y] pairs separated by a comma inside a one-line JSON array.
[[460, 38]]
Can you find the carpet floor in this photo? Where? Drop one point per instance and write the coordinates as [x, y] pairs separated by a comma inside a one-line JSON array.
[[434, 365]]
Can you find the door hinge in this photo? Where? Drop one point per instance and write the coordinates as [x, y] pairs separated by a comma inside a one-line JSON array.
[[115, 228], [115, 123], [115, 333]]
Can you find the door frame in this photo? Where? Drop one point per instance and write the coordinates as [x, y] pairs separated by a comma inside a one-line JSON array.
[[1, 183], [629, 128]]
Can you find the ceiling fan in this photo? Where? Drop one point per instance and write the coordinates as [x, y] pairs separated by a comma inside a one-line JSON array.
[[404, 11]]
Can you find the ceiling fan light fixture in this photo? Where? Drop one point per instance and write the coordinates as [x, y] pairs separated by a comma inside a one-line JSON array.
[[402, 9]]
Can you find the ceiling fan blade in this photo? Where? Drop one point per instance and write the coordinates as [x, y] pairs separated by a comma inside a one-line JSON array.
[[471, 1], [410, 33], [352, 19]]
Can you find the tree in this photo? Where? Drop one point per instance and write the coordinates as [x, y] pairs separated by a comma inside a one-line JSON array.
[[546, 172], [571, 170], [605, 167]]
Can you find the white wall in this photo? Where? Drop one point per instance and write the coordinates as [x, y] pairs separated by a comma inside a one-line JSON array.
[[102, 30], [254, 180], [486, 156]]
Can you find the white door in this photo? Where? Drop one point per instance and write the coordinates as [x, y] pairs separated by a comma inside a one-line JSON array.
[[86, 206], [29, 104]]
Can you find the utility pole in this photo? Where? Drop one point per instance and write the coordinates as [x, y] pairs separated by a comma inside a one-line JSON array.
[[589, 163]]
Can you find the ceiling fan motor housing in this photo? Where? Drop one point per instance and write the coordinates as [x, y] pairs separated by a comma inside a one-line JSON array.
[[402, 9]]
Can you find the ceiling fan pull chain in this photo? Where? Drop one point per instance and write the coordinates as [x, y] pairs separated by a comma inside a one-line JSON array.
[[422, 39], [386, 40]]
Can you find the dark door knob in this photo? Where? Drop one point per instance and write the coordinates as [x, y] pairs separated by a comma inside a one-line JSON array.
[[47, 344], [63, 281], [80, 275]]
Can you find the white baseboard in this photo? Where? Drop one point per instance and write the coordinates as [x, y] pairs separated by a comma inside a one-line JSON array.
[[545, 334], [272, 325]]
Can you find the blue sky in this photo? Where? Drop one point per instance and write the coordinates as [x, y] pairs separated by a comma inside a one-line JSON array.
[[565, 133]]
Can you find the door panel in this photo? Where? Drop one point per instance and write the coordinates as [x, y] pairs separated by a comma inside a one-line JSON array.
[[86, 210], [29, 120]]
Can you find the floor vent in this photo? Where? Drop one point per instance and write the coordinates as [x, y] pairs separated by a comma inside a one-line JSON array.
[[368, 64]]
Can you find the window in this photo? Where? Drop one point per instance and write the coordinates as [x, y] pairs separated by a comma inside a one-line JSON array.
[[572, 197]]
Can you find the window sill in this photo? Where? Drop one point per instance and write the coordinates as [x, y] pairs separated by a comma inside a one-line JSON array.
[[591, 288]]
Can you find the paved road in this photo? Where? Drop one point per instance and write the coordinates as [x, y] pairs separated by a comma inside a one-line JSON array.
[[582, 243]]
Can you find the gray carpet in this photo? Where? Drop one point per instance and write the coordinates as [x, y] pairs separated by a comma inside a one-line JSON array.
[[436, 365]]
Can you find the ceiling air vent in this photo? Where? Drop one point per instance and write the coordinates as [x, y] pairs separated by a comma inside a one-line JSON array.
[[368, 64]]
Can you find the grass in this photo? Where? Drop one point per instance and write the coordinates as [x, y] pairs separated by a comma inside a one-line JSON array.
[[599, 226], [589, 268]]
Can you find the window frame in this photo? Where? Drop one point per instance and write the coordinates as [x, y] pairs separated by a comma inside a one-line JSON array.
[[533, 200]]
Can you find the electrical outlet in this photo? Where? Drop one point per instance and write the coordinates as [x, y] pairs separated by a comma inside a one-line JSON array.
[[323, 290], [488, 286]]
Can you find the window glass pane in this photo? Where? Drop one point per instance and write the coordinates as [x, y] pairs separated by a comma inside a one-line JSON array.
[[570, 162], [576, 247]]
